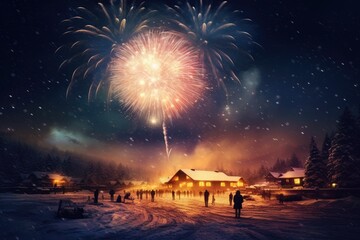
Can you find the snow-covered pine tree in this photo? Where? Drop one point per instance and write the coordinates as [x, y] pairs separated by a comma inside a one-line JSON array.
[[343, 165], [325, 157], [313, 177], [294, 161]]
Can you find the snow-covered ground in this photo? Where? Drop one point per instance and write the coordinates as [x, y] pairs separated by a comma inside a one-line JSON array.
[[25, 216]]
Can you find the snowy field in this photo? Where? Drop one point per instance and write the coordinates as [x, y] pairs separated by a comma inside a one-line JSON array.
[[25, 216]]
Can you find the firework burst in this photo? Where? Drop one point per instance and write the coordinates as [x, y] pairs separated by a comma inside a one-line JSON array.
[[157, 75], [94, 36], [212, 31]]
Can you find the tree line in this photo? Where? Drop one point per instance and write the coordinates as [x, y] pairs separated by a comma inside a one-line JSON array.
[[337, 163], [19, 159]]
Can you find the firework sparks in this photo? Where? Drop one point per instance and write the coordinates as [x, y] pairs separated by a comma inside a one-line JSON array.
[[217, 37], [157, 75], [97, 34]]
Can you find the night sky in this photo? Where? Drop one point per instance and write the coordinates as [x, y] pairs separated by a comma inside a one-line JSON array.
[[306, 71]]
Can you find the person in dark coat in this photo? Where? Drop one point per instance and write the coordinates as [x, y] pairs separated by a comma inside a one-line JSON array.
[[238, 200], [96, 195], [152, 193], [173, 195], [230, 198], [112, 192], [206, 198]]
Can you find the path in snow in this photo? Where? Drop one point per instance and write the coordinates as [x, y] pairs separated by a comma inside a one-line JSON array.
[[33, 217]]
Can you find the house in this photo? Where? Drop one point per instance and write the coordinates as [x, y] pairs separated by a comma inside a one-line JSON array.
[[273, 177], [198, 180], [293, 178], [46, 179]]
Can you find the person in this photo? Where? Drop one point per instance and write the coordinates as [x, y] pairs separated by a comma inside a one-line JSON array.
[[238, 200], [281, 198], [112, 192], [152, 193], [230, 198], [213, 199], [173, 194], [206, 198], [118, 199], [96, 195]]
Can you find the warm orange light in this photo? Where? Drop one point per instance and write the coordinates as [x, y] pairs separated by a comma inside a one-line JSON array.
[[208, 184], [297, 181], [201, 184], [189, 184], [223, 184], [333, 185]]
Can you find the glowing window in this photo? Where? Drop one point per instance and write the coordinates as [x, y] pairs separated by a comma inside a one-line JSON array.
[[201, 184], [223, 184], [239, 184], [208, 184], [187, 177], [232, 184], [189, 184], [176, 178], [297, 181]]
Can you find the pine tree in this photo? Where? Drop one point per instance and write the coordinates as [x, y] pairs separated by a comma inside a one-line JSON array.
[[294, 161], [313, 174], [343, 165], [325, 157]]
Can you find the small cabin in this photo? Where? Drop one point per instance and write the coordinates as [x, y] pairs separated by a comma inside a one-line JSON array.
[[199, 180], [293, 178]]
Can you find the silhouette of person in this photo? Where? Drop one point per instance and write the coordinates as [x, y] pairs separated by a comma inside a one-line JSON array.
[[213, 199], [238, 200], [112, 192], [152, 193], [118, 199], [96, 195], [173, 194], [281, 198], [206, 198], [230, 198]]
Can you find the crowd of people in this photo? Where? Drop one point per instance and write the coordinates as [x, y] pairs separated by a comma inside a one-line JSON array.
[[235, 200]]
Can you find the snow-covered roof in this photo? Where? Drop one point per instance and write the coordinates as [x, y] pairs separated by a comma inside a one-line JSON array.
[[202, 175], [275, 174], [297, 173]]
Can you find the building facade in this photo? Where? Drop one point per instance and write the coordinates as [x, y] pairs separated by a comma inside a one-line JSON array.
[[199, 180]]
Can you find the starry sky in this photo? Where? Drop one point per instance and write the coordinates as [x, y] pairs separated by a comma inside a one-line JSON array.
[[305, 72]]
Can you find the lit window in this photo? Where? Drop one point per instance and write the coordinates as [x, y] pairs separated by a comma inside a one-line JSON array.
[[189, 184], [222, 184], [297, 181], [239, 184], [208, 184], [201, 184], [176, 178], [187, 177], [333, 185], [232, 184]]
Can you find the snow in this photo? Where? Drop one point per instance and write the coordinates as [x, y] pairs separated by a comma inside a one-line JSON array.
[[202, 175], [296, 173], [25, 216]]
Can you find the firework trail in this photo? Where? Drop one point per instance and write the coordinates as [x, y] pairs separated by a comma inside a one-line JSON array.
[[212, 30], [95, 34], [158, 76], [168, 150]]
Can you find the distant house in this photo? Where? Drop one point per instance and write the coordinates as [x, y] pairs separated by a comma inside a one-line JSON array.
[[293, 178], [46, 179], [273, 177], [197, 180]]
